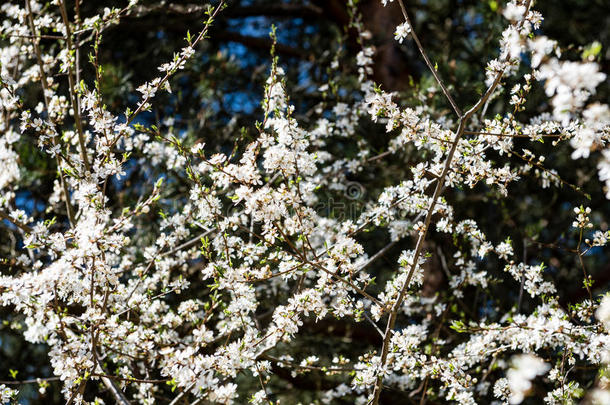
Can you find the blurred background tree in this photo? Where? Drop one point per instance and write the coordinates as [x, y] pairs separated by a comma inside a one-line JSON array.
[[217, 100]]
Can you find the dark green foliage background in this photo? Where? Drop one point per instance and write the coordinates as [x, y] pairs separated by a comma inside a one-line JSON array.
[[220, 92]]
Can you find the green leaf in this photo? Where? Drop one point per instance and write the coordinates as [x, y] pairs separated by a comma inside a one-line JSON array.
[[592, 51]]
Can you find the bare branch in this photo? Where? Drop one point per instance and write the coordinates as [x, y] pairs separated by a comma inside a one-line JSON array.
[[20, 225]]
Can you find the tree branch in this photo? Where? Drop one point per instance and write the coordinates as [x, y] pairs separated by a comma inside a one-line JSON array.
[[261, 43], [422, 236], [427, 60], [43, 81], [20, 225]]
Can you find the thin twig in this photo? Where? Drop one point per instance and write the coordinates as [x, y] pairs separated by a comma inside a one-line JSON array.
[[30, 381], [377, 255], [463, 121], [522, 287], [427, 60], [73, 97], [18, 224], [111, 385], [43, 80]]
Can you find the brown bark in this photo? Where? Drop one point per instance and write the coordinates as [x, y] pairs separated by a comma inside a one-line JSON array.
[[391, 68]]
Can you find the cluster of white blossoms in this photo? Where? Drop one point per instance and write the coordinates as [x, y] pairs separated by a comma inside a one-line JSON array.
[[114, 302], [402, 31], [6, 394], [518, 378]]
